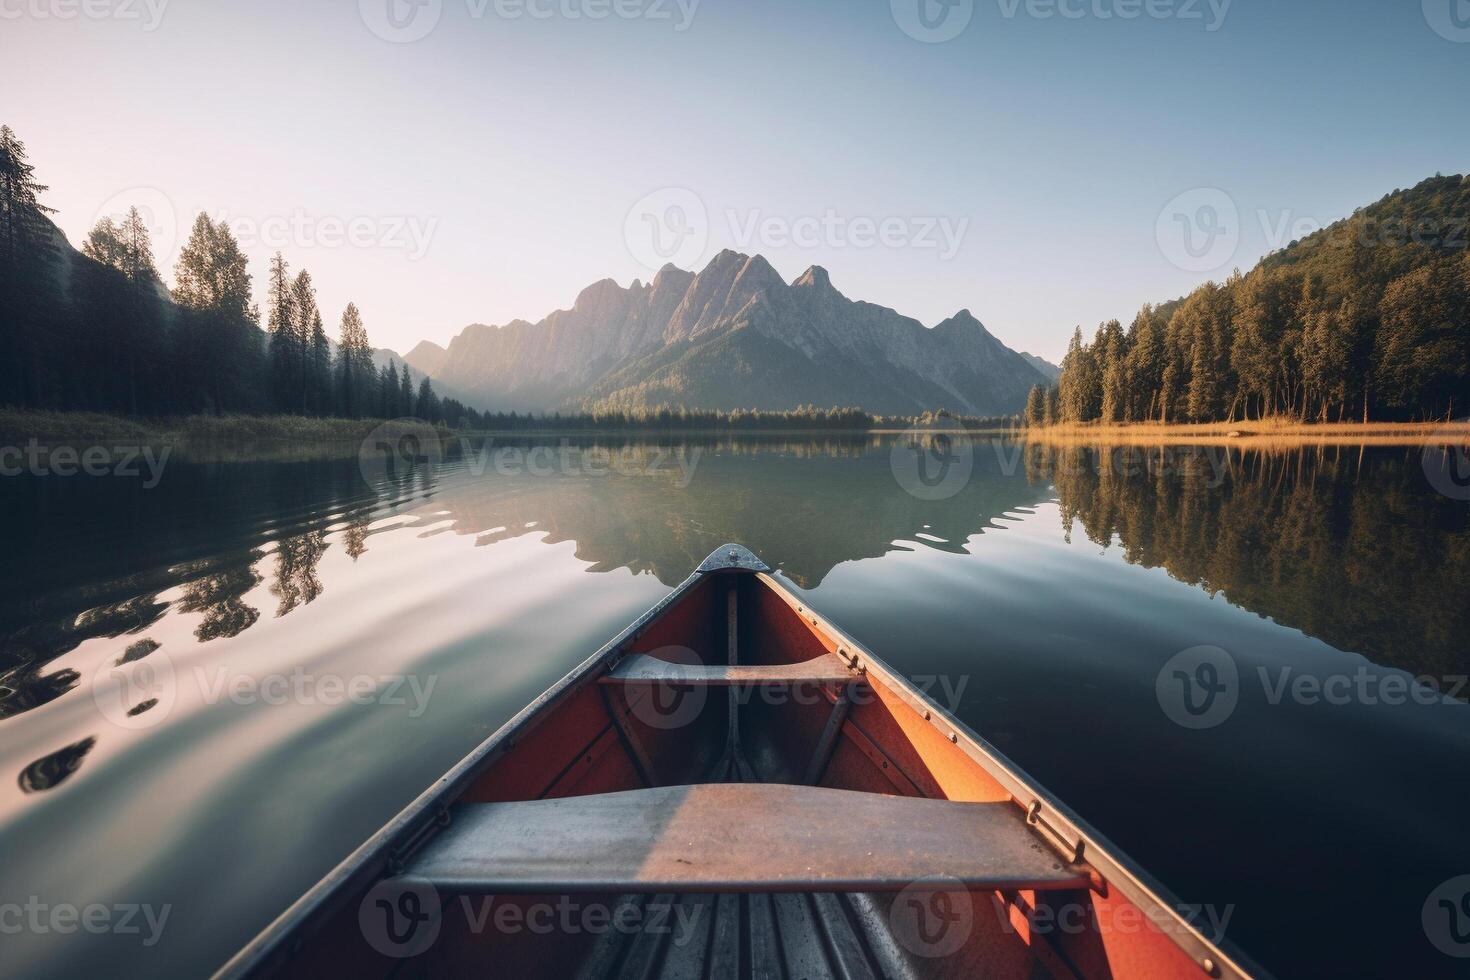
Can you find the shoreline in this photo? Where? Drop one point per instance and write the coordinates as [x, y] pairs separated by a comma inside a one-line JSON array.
[[288, 437], [1270, 433], [22, 425]]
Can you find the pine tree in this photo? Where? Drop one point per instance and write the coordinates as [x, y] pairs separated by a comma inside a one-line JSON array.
[[311, 341], [1204, 323], [427, 403], [1069, 399], [28, 344], [355, 375], [319, 366], [287, 352], [132, 348], [388, 391], [218, 344], [1036, 406], [1081, 394], [1143, 367], [405, 394], [1113, 349]]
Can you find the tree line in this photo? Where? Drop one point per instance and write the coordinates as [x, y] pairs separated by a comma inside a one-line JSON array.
[[680, 417], [1366, 319], [100, 331]]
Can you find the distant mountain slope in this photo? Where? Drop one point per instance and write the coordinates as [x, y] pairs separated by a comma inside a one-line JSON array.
[[735, 335], [1047, 368], [426, 357]]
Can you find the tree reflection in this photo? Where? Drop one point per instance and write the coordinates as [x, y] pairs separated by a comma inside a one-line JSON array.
[[296, 581], [25, 687], [354, 538], [220, 597], [1345, 545]]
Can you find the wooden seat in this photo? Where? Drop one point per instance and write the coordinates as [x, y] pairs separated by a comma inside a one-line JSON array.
[[737, 837], [642, 669]]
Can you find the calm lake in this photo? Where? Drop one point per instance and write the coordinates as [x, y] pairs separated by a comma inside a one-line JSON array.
[[322, 641]]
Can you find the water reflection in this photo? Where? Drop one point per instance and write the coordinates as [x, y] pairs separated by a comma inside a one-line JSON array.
[[479, 572], [216, 590], [53, 769], [1348, 546], [295, 581]]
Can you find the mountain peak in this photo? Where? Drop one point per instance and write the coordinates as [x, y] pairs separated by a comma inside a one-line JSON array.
[[963, 320], [598, 293], [760, 273], [426, 356], [815, 277], [737, 334], [726, 261]]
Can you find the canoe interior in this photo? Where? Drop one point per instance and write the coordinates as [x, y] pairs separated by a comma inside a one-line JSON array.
[[594, 736]]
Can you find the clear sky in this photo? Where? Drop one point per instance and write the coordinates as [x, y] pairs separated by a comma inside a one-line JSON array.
[[1024, 168]]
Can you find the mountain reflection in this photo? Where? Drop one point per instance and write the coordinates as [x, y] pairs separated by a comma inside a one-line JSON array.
[[1351, 547], [804, 504]]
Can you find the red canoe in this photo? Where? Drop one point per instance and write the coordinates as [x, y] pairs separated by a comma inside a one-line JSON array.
[[732, 787]]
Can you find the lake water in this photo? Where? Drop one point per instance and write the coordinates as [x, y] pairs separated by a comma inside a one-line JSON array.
[[215, 688]]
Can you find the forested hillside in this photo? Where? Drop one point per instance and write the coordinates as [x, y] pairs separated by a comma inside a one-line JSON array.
[[1368, 318]]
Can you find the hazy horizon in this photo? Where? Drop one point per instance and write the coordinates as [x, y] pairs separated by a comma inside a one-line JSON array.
[[1031, 168]]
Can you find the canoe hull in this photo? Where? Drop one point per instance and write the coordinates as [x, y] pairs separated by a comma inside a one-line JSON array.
[[606, 731]]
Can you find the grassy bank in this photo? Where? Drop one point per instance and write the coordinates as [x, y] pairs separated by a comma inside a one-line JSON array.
[[1270, 433], [201, 437]]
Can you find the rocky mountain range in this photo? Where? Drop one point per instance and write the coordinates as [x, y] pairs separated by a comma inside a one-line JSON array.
[[733, 335]]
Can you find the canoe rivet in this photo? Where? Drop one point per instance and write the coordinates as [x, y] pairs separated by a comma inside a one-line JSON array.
[[1209, 965], [953, 737], [928, 714]]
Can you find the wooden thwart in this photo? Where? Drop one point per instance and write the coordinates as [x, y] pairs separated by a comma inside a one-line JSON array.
[[642, 669], [737, 837]]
